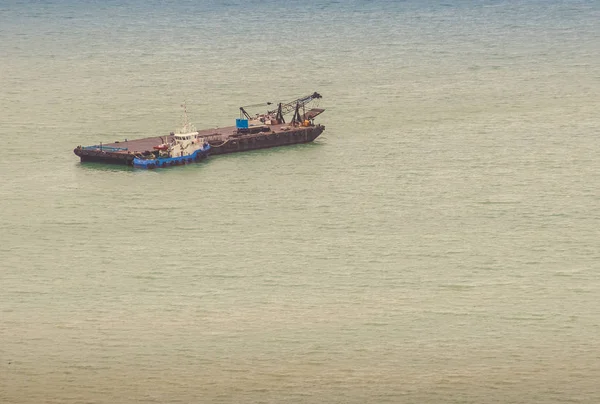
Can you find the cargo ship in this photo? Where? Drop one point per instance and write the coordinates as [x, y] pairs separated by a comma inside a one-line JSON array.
[[259, 131]]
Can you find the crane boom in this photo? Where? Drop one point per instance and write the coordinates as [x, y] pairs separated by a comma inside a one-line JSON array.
[[284, 109], [244, 113]]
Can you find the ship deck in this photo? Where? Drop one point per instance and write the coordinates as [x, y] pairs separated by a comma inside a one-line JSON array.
[[222, 141], [213, 136]]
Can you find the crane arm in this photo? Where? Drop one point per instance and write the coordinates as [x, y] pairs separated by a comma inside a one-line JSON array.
[[244, 113], [284, 109]]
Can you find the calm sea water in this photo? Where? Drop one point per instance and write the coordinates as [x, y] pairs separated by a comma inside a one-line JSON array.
[[438, 243]]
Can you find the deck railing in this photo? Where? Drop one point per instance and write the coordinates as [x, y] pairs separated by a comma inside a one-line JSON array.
[[105, 148]]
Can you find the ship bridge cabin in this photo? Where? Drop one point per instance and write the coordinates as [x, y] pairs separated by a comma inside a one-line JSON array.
[[181, 137]]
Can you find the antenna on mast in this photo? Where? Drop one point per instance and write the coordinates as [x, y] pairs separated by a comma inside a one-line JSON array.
[[186, 122], [187, 126]]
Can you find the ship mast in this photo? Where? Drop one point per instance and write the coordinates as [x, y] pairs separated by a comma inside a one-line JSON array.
[[187, 126], [186, 121]]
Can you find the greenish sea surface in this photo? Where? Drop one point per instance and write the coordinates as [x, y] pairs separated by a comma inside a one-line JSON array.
[[439, 243]]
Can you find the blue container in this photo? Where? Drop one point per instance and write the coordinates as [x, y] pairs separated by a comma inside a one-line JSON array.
[[241, 123]]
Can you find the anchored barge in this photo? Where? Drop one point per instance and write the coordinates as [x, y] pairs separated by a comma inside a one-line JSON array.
[[250, 133]]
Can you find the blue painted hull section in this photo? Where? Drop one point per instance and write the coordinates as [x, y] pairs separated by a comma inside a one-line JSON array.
[[164, 162]]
